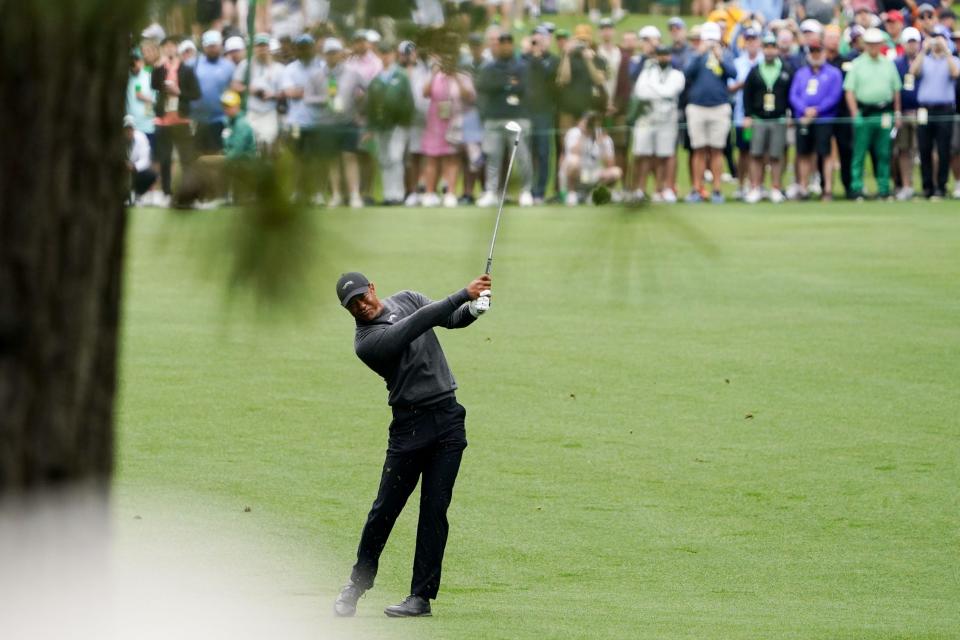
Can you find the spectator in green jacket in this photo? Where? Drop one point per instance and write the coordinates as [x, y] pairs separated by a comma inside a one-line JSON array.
[[389, 115], [239, 143]]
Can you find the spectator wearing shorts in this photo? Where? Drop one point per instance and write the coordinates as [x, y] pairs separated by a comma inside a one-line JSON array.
[[338, 120], [766, 98], [266, 86], [708, 110], [872, 88], [588, 159], [936, 70], [815, 95], [656, 94], [905, 144]]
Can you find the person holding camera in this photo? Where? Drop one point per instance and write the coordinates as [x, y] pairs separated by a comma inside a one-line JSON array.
[[936, 70], [542, 100], [266, 88], [588, 159]]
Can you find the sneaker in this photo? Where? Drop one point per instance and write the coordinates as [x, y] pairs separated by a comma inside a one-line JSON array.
[[904, 194], [466, 200], [717, 198], [412, 200], [956, 191], [356, 202], [639, 195], [526, 199], [346, 603], [793, 191], [318, 200], [656, 197], [430, 200], [738, 193], [936, 196], [816, 184], [617, 196], [412, 607], [753, 196], [336, 200], [162, 200], [668, 196], [776, 196], [694, 196], [488, 199], [450, 200], [572, 200]]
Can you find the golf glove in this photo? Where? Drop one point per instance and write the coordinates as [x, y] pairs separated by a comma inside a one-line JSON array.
[[481, 305]]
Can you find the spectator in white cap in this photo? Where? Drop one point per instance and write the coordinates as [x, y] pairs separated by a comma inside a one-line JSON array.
[[266, 86], [154, 32], [363, 60], [142, 176], [235, 49], [905, 144], [873, 97], [304, 84], [340, 130], [810, 31], [187, 52], [214, 73]]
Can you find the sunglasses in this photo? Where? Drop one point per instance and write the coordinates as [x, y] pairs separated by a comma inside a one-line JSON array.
[[924, 16], [816, 49]]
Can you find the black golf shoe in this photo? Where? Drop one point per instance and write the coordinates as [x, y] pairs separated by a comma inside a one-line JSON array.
[[412, 607], [346, 604]]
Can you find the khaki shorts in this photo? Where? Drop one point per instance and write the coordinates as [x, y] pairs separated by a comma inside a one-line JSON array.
[[708, 126], [906, 140], [769, 139], [653, 139]]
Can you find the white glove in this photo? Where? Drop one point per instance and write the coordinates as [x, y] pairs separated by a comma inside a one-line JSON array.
[[481, 305]]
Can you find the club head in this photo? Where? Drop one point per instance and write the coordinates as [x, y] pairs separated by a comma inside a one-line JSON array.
[[513, 127]]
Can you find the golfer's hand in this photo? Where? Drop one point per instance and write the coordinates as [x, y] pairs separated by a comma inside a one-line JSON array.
[[478, 286]]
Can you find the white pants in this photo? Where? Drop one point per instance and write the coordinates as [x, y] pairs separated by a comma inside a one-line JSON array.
[[496, 140], [391, 145]]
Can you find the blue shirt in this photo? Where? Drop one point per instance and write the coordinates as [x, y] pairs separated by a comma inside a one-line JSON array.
[[214, 78], [743, 64], [298, 75], [707, 79], [770, 9], [908, 99], [822, 90], [936, 87]]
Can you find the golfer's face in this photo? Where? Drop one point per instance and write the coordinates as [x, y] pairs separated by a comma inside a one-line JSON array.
[[365, 307]]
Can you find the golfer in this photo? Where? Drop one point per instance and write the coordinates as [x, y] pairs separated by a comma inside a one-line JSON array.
[[427, 436]]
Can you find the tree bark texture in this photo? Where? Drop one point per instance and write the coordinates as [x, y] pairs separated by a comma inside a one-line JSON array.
[[63, 74]]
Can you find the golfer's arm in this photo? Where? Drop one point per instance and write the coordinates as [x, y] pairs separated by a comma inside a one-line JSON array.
[[394, 338], [460, 318]]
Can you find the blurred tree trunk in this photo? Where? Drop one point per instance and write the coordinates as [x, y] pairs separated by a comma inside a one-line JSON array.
[[63, 73]]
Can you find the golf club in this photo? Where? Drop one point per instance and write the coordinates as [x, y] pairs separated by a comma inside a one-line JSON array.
[[483, 303]]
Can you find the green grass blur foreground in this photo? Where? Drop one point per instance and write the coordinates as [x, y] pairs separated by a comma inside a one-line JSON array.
[[687, 422]]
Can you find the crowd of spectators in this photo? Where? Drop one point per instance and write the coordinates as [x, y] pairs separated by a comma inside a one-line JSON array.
[[773, 97]]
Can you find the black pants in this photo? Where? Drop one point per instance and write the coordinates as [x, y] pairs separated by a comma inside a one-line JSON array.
[[843, 132], [141, 181], [208, 139], [177, 136], [936, 134], [425, 443]]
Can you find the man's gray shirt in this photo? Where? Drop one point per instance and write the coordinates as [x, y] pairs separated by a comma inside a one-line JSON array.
[[401, 346]]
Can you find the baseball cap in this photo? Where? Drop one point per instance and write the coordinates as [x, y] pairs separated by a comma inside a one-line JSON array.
[[233, 43], [350, 285], [136, 54], [664, 50], [129, 122], [261, 38], [373, 36], [873, 36], [186, 45], [332, 45], [210, 38], [649, 32], [583, 32], [947, 12], [359, 34], [305, 39], [694, 33], [926, 7], [230, 98], [811, 26], [750, 32], [769, 39], [406, 47], [474, 39], [710, 31], [893, 16], [154, 32], [856, 31], [562, 33], [606, 23], [541, 30], [910, 34], [550, 26], [676, 22]]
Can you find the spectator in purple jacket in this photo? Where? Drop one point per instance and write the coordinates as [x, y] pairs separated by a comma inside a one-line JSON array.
[[815, 95]]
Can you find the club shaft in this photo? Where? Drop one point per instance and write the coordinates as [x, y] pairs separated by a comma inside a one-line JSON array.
[[503, 197]]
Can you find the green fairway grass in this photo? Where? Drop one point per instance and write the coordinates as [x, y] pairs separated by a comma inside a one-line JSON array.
[[684, 422]]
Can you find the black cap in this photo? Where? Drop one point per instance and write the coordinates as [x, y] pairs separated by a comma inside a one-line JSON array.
[[664, 50], [506, 37], [350, 285]]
